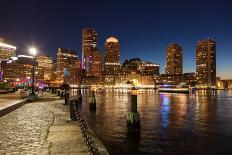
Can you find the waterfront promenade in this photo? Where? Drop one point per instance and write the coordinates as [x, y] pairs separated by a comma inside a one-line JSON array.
[[41, 127], [10, 98]]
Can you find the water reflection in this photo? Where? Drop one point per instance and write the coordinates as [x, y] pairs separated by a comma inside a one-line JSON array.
[[170, 123], [165, 101]]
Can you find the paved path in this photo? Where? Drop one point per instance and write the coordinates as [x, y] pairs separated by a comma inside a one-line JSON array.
[[40, 128], [9, 98]]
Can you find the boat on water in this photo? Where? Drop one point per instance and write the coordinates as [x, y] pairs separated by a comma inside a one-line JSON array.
[[175, 88]]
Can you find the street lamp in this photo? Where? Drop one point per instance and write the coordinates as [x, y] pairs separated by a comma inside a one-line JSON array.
[[33, 51]]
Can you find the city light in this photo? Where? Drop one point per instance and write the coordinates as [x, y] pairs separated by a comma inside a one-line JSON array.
[[122, 77], [33, 51], [7, 46]]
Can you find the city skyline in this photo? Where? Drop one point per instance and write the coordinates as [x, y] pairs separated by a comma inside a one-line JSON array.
[[146, 38]]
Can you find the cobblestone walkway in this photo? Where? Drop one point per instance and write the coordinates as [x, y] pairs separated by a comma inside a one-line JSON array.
[[26, 130]]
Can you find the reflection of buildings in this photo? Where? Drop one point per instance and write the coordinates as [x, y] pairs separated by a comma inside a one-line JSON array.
[[112, 56], [67, 66], [46, 63], [6, 52], [206, 63], [89, 46]]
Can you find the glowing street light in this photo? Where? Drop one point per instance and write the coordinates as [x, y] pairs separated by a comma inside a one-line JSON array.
[[33, 51]]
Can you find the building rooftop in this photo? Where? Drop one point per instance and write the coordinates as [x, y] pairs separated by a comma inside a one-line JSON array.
[[7, 45], [111, 39]]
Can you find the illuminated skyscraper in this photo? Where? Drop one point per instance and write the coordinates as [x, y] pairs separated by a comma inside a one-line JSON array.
[[46, 63], [174, 59], [89, 46], [206, 63], [112, 56], [66, 62], [97, 64]]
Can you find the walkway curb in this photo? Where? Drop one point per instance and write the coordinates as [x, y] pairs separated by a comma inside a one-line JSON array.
[[11, 107], [101, 147]]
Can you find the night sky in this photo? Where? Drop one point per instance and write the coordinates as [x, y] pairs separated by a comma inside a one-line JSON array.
[[143, 27]]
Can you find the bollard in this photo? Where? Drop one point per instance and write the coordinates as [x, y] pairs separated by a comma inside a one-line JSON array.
[[80, 99], [92, 102], [72, 110], [61, 94], [134, 103], [133, 117], [79, 96], [66, 98]]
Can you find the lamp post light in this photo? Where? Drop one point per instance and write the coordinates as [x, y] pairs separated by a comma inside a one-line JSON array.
[[33, 51]]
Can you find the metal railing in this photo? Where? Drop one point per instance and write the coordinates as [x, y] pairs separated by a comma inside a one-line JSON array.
[[85, 132]]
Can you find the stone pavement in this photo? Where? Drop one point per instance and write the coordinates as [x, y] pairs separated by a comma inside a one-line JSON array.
[[41, 128]]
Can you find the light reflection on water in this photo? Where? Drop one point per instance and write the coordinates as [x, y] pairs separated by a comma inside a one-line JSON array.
[[170, 123]]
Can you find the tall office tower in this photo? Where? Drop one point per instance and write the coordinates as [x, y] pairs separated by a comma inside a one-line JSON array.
[[66, 60], [206, 63], [46, 63], [112, 56], [89, 46], [97, 64], [174, 60]]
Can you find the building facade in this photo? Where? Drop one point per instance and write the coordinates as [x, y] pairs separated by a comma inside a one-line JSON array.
[[19, 71], [149, 69], [66, 66], [174, 59], [189, 78], [112, 56], [206, 64], [6, 52], [97, 64], [46, 63], [89, 46]]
